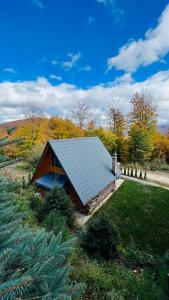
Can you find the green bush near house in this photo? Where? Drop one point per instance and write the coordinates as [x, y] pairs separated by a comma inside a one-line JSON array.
[[101, 238], [57, 223], [141, 175], [57, 199]]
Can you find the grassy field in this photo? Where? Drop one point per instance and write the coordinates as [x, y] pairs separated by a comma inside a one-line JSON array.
[[141, 213]]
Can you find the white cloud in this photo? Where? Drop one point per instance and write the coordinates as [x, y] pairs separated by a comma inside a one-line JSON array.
[[55, 62], [86, 68], [127, 77], [59, 98], [144, 52], [38, 3], [90, 20], [10, 70], [55, 77], [73, 60], [117, 12], [42, 60]]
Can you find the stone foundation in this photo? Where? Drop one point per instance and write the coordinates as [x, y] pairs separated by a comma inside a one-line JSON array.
[[100, 197]]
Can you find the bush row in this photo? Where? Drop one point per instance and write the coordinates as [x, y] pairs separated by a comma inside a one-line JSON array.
[[134, 173]]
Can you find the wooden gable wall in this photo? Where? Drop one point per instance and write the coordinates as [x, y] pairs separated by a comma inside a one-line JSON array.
[[45, 165]]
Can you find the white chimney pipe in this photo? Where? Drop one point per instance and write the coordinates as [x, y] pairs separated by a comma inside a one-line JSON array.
[[114, 163]]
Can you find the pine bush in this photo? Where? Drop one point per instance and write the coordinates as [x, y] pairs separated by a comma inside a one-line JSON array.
[[101, 238], [145, 175], [33, 263], [57, 199]]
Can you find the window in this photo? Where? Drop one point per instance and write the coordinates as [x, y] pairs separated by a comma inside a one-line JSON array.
[[55, 161]]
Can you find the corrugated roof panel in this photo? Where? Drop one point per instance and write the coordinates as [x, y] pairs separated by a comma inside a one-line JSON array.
[[87, 163]]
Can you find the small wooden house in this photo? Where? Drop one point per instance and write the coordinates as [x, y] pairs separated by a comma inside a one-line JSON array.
[[82, 166]]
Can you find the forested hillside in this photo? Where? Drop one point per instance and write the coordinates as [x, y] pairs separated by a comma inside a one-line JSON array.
[[136, 137]]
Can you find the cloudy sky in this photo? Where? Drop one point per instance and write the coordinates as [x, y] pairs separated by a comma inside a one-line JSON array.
[[58, 52]]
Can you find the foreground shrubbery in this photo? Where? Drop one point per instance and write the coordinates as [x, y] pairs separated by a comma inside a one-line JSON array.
[[33, 264], [109, 269]]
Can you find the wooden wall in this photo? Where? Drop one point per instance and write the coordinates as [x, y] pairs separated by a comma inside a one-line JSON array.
[[45, 165], [74, 196]]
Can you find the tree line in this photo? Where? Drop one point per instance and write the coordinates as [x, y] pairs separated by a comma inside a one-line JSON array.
[[136, 137]]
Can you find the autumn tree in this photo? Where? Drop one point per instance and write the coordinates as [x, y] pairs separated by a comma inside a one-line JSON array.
[[141, 144], [34, 114], [161, 147], [91, 126], [80, 113], [143, 113], [108, 138], [116, 120], [123, 149], [63, 128], [3, 133], [142, 127], [33, 133]]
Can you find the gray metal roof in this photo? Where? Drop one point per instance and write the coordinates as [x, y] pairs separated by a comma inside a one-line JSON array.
[[87, 164], [51, 180]]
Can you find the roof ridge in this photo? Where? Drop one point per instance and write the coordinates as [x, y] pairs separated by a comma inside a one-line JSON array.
[[73, 139]]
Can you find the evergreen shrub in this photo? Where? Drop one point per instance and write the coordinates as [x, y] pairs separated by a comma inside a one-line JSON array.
[[101, 238], [58, 200]]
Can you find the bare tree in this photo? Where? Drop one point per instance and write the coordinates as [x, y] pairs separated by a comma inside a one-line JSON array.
[[32, 111], [80, 112], [34, 114], [117, 120]]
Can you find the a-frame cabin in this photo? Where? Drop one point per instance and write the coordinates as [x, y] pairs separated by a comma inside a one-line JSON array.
[[82, 166]]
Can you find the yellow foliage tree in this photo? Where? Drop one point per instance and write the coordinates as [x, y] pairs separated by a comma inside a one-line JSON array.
[[3, 133], [63, 128], [108, 138], [161, 151], [35, 131]]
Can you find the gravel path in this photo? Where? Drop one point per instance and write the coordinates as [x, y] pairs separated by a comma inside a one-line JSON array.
[[159, 177], [145, 182]]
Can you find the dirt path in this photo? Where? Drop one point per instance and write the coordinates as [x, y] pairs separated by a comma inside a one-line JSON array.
[[15, 171], [159, 177], [145, 182]]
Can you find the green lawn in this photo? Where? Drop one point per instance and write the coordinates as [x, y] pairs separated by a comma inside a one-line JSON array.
[[141, 213]]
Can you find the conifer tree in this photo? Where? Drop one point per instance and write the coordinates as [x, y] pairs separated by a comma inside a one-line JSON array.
[[33, 263]]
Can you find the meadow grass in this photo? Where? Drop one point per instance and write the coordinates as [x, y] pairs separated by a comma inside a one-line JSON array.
[[141, 213]]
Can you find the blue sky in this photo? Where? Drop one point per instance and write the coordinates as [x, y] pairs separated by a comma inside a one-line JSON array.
[[58, 52]]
